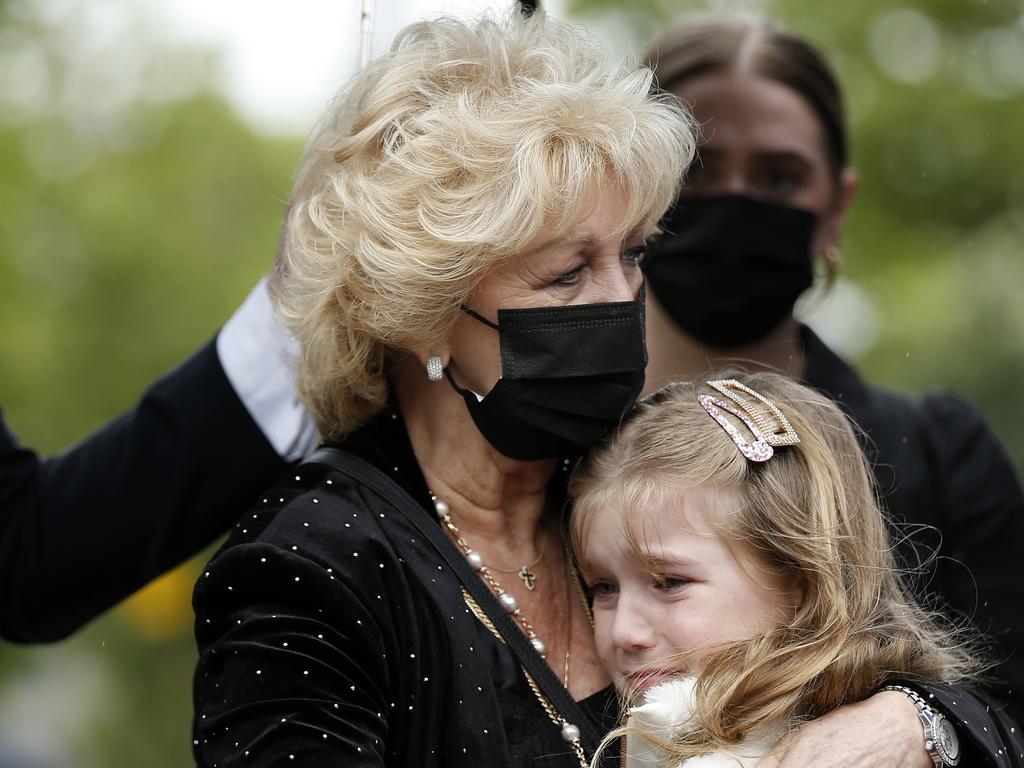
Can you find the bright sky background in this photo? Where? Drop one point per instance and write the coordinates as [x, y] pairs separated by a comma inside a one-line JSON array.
[[283, 61]]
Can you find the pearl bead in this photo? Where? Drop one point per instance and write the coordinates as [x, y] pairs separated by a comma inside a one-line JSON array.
[[474, 559], [538, 645], [441, 508], [570, 732], [509, 602]]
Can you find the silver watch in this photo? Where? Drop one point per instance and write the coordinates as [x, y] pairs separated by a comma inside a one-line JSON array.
[[940, 737]]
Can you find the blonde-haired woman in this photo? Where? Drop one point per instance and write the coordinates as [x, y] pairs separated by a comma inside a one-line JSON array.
[[460, 270], [743, 579]]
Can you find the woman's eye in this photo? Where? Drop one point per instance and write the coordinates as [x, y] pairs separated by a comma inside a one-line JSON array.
[[635, 255], [782, 181], [701, 175], [569, 278]]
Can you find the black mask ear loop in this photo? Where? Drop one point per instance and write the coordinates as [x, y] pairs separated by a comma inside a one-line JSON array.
[[476, 316]]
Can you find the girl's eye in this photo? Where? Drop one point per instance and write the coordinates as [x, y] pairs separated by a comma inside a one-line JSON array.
[[635, 255], [602, 589], [670, 583]]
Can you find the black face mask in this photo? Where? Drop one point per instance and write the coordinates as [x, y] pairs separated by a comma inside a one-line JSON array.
[[568, 375], [729, 269]]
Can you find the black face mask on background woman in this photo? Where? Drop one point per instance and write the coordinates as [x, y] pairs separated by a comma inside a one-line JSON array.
[[728, 269], [568, 375]]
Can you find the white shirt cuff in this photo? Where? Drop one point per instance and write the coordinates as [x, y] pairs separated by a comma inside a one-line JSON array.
[[259, 357]]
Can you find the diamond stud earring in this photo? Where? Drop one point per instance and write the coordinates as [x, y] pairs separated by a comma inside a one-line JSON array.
[[435, 368]]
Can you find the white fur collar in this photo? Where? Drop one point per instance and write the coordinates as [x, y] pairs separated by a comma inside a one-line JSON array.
[[667, 710]]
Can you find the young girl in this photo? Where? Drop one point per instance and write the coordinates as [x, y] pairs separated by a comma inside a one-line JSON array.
[[742, 575]]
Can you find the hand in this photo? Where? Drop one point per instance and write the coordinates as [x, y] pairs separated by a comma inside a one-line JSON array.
[[882, 731]]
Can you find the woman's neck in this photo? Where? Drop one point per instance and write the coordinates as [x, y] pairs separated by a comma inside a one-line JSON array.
[[493, 498], [499, 506], [674, 355]]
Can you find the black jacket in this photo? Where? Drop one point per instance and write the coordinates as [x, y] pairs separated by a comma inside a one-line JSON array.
[[81, 531], [329, 630], [949, 488]]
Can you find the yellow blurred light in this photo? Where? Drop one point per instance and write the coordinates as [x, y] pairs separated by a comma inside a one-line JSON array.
[[162, 610]]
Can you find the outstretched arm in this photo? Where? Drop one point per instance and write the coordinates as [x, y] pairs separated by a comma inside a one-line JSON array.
[[81, 531]]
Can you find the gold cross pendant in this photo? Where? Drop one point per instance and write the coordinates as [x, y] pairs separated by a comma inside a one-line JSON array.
[[528, 577]]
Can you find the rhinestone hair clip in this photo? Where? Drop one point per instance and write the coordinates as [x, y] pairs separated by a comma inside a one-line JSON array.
[[770, 428]]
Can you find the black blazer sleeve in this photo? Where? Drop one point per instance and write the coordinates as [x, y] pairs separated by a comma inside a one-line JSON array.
[[83, 530], [983, 532], [988, 735]]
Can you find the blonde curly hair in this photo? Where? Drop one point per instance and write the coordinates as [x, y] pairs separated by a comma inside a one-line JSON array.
[[442, 158], [810, 516]]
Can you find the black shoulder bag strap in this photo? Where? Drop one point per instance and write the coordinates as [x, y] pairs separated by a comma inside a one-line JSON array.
[[366, 474]]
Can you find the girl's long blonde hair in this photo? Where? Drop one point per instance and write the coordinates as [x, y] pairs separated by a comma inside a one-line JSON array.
[[811, 516]]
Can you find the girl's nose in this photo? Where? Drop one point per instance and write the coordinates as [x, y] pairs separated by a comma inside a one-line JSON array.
[[630, 629]]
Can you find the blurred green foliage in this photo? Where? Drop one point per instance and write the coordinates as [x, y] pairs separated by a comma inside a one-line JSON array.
[[135, 213]]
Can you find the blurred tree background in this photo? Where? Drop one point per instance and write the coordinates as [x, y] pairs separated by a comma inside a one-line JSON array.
[[136, 210]]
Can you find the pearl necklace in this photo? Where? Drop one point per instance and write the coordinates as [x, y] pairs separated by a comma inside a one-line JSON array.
[[507, 599], [570, 733]]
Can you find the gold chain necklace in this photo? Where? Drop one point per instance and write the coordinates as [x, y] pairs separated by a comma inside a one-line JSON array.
[[507, 599], [526, 572], [570, 733]]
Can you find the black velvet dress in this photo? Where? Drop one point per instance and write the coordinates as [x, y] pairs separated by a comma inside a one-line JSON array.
[[330, 632]]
